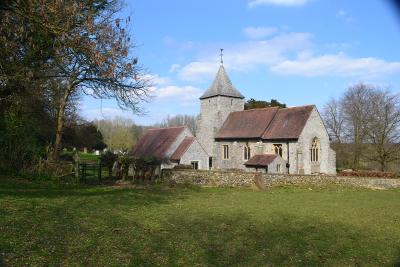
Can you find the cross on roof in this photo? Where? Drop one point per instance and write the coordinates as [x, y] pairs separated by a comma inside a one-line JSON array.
[[221, 54]]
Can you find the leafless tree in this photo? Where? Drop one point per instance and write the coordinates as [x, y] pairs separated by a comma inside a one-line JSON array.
[[179, 120], [383, 128], [334, 120], [365, 124], [356, 105]]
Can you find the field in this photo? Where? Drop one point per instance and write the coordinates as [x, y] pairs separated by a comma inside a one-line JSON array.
[[44, 224]]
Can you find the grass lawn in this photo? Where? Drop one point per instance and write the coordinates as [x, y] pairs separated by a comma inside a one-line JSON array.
[[51, 225]]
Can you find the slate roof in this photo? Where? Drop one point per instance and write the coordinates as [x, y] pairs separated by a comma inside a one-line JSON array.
[[181, 149], [222, 86], [267, 123], [246, 124], [261, 160], [155, 142], [288, 123]]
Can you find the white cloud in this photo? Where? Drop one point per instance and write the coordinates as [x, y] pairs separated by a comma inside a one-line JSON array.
[[195, 71], [344, 15], [259, 32], [178, 95], [247, 55], [337, 64], [174, 68], [253, 3], [157, 80]]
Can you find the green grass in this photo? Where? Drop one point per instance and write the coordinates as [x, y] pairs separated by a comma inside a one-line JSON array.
[[54, 225]]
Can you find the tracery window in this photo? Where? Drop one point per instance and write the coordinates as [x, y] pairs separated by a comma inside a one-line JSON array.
[[278, 149], [314, 150]]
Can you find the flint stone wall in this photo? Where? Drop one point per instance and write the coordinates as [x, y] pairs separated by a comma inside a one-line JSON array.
[[246, 179]]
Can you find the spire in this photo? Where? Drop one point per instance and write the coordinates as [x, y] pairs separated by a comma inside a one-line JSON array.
[[221, 54], [222, 85]]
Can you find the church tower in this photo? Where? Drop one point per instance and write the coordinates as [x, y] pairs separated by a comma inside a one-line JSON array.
[[216, 103]]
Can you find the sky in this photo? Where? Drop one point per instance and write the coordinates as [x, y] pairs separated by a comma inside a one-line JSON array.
[[296, 51]]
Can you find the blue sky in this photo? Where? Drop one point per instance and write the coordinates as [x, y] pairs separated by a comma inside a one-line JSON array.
[[297, 51]]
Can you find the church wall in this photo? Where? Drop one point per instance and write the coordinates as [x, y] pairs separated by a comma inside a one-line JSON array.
[[236, 153], [195, 152], [315, 128], [293, 157]]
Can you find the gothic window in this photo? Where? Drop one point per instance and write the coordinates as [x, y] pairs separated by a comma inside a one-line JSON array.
[[226, 152], [246, 151], [278, 168], [231, 102], [314, 150], [278, 149]]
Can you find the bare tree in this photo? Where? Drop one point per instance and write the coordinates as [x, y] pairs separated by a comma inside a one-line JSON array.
[[179, 120], [356, 105], [334, 120], [383, 128]]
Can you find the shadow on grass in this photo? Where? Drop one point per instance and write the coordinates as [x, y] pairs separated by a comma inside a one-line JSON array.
[[238, 240], [153, 193]]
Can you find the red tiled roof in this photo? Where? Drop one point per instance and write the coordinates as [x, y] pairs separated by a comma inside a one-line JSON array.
[[261, 160], [176, 156], [247, 124], [288, 123], [266, 123], [155, 142]]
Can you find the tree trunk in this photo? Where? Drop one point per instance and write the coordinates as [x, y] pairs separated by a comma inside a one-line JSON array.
[[60, 125]]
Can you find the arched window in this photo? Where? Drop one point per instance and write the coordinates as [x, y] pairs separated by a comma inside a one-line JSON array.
[[278, 149], [314, 150], [246, 152]]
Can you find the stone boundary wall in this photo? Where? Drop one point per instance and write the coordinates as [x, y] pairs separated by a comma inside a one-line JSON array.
[[247, 179]]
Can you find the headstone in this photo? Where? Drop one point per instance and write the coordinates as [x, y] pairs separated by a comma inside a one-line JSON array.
[[85, 150], [97, 152]]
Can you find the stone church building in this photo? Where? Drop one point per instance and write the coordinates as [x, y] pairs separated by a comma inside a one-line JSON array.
[[273, 140]]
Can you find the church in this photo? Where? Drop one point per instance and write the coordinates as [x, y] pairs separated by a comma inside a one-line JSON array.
[[290, 140]]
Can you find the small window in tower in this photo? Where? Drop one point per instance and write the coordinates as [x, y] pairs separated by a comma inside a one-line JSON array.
[[231, 102]]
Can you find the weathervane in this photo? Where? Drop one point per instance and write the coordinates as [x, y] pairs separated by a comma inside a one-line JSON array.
[[221, 54]]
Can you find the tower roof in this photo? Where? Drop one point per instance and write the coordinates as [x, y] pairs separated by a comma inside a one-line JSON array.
[[222, 86]]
